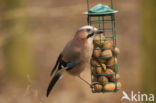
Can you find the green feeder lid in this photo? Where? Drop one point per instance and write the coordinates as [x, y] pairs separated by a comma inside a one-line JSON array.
[[101, 9]]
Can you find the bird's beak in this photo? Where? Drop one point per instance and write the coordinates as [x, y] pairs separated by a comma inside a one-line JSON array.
[[99, 32]]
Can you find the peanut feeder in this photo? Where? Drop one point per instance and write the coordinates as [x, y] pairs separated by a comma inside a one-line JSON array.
[[104, 68]]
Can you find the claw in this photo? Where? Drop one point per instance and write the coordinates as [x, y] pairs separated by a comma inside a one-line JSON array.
[[92, 84]]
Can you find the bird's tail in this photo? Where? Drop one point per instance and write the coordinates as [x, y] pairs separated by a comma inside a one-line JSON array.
[[53, 82]]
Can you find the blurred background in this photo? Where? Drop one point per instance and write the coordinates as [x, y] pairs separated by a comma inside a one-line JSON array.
[[33, 32]]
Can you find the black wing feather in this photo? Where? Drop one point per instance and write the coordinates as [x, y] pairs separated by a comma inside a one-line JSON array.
[[60, 64], [57, 62]]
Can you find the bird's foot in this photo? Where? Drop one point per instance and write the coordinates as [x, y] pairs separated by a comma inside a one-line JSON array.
[[92, 84]]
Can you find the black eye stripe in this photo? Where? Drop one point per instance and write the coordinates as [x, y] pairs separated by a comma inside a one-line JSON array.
[[88, 30], [90, 35]]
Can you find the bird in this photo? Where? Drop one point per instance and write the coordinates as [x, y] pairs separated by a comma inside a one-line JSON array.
[[75, 55]]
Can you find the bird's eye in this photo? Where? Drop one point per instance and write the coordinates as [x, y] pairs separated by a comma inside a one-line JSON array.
[[88, 30]]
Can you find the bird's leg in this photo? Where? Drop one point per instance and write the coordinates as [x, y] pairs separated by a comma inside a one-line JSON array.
[[91, 85], [84, 80]]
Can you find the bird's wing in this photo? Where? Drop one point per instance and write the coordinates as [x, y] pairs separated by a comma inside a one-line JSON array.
[[70, 56], [73, 63], [62, 64], [57, 62], [68, 59]]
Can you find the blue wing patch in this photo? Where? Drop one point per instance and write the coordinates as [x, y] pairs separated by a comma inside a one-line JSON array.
[[72, 64]]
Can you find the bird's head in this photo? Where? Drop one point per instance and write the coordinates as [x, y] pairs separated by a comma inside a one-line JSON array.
[[87, 32]]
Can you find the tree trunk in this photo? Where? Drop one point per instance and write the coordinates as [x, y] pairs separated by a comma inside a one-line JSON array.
[[148, 16], [17, 50]]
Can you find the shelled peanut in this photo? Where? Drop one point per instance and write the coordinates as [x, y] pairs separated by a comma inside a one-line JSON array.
[[103, 62]]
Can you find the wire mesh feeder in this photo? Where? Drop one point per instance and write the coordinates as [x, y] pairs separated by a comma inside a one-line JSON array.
[[104, 68]]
